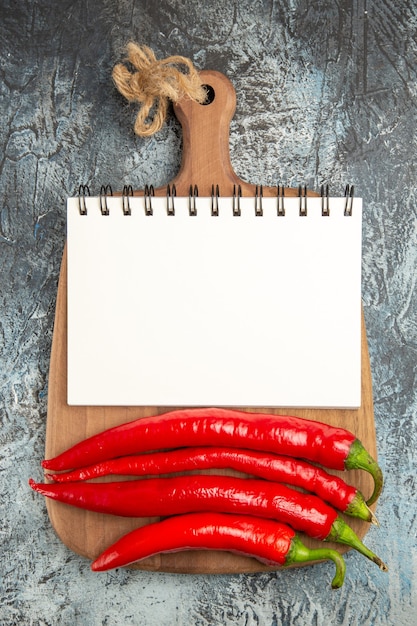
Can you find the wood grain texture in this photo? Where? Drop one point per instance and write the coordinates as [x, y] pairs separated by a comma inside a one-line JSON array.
[[206, 161]]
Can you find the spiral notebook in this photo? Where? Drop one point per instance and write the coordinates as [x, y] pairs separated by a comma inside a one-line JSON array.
[[183, 304]]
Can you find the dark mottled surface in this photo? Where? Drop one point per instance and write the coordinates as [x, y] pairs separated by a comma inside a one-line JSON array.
[[326, 92]]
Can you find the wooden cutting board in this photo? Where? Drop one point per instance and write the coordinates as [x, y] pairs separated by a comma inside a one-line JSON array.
[[205, 161]]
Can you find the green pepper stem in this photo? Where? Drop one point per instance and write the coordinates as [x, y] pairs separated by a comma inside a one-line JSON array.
[[359, 508], [342, 533], [359, 458], [299, 553]]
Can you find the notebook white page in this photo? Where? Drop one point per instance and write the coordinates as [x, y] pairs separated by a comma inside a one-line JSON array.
[[214, 310]]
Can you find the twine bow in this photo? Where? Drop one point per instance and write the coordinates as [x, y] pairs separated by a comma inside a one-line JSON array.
[[142, 78]]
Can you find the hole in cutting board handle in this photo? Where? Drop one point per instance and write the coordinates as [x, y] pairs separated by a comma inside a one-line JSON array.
[[210, 95]]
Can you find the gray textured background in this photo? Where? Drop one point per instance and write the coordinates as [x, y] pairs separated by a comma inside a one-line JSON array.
[[326, 93]]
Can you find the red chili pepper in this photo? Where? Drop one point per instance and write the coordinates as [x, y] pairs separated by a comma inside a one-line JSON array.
[[270, 542], [185, 494], [265, 465], [334, 448]]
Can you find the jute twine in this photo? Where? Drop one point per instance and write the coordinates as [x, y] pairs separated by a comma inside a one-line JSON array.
[[142, 78]]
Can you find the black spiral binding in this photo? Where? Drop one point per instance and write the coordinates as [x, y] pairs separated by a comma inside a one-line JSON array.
[[83, 191], [237, 194], [215, 195], [126, 194], [149, 192], [192, 206], [259, 192], [171, 194], [280, 201], [302, 194], [349, 191], [105, 191]]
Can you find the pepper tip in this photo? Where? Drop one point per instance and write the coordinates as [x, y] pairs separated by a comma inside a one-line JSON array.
[[382, 566], [373, 519]]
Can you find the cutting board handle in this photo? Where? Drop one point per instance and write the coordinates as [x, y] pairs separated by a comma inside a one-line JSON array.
[[206, 153]]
